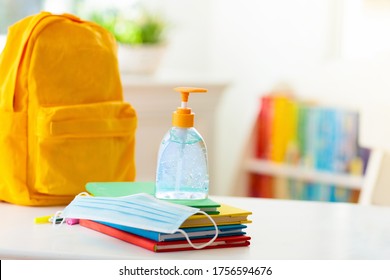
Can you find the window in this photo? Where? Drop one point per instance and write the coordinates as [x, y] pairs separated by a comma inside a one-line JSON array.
[[12, 11]]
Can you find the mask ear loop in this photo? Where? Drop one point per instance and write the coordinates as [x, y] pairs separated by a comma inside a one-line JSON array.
[[205, 244], [58, 213], [83, 194]]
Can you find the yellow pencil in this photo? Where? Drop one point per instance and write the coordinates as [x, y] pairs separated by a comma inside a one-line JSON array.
[[42, 220]]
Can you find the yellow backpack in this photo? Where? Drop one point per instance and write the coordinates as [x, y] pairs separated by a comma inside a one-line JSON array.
[[63, 121]]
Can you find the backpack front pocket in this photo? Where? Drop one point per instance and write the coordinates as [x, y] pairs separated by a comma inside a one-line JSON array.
[[84, 143]]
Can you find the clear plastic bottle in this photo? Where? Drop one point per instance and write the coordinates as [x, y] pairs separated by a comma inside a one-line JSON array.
[[182, 166]]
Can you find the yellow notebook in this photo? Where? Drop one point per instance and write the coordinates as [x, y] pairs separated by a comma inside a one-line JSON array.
[[228, 215]]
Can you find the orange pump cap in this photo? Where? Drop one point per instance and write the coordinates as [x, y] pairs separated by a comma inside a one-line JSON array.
[[183, 117]]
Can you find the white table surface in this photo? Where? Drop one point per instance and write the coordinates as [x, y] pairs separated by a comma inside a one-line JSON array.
[[281, 229]]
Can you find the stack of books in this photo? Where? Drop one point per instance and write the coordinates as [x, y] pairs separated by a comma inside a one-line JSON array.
[[231, 222]]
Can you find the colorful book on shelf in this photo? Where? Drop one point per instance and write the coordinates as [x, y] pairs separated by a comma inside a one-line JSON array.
[[283, 138], [263, 128], [115, 189], [193, 233], [327, 133], [312, 114], [302, 127], [260, 184], [348, 152], [279, 133], [165, 246]]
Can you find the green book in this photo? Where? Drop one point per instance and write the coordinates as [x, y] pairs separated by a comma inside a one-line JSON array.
[[115, 189]]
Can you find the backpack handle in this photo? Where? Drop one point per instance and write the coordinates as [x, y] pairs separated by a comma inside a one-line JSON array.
[[10, 60], [17, 39]]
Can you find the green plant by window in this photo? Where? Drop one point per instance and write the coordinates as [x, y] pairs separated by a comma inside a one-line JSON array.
[[144, 29]]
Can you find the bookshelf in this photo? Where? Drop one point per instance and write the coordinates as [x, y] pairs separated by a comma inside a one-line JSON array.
[[266, 167], [272, 167]]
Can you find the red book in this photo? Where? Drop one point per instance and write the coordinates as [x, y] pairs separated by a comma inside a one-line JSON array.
[[264, 127], [261, 186], [165, 246]]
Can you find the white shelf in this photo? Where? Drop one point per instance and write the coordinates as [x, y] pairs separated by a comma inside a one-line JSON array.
[[303, 173]]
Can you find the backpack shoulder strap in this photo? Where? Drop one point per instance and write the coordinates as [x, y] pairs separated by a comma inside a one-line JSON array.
[[17, 39]]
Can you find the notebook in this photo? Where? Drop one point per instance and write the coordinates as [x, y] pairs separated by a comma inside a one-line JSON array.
[[228, 215], [196, 232], [115, 189], [166, 246]]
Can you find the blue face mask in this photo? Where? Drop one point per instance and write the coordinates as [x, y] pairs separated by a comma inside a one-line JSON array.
[[140, 211]]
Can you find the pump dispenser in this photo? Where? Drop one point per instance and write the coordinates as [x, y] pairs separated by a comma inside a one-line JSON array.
[[182, 167]]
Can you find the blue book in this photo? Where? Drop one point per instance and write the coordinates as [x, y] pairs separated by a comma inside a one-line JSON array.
[[311, 140], [193, 233], [328, 134], [348, 149]]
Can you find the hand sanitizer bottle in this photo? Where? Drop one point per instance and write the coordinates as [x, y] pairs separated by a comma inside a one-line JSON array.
[[182, 168]]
